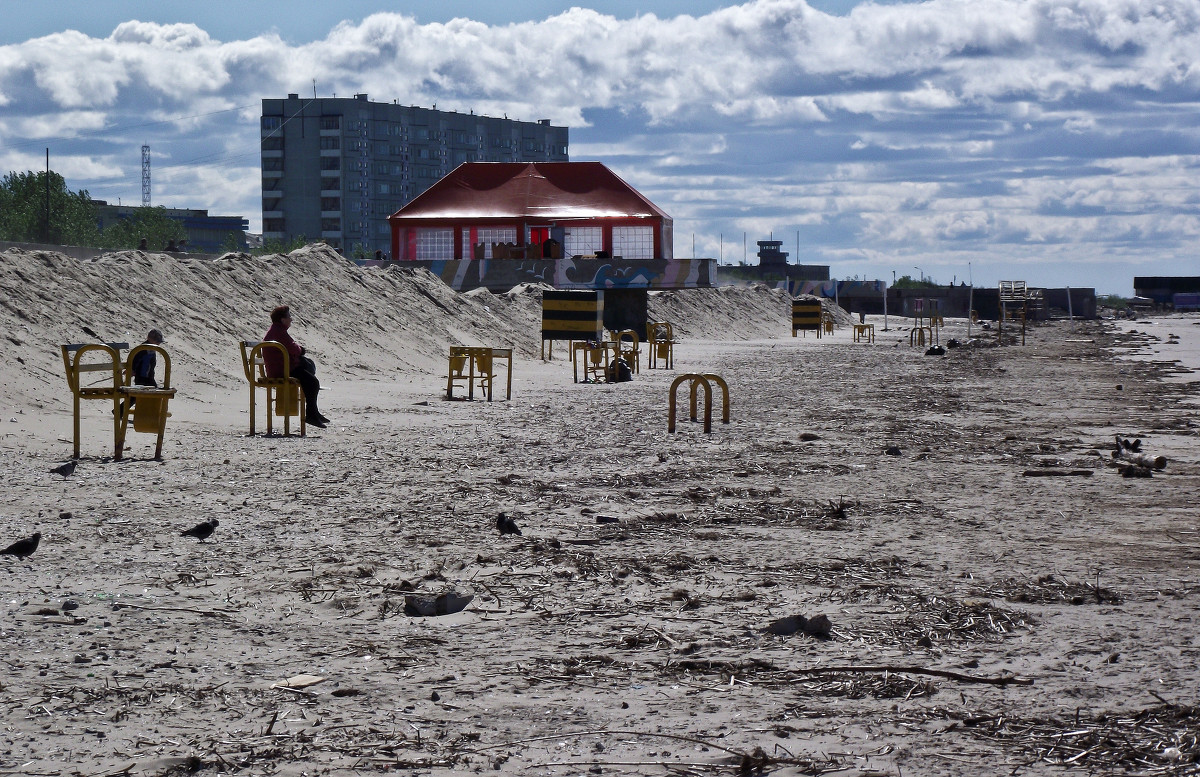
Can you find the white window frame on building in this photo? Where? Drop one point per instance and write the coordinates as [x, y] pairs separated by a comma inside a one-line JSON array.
[[435, 244], [580, 241], [487, 236], [633, 242]]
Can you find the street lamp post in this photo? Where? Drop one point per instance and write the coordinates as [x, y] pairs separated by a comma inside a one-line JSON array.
[[921, 274]]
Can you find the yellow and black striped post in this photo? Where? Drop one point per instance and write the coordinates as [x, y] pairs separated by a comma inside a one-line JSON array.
[[571, 315], [806, 316]]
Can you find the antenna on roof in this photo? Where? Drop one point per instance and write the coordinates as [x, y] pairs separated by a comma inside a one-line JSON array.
[[314, 88]]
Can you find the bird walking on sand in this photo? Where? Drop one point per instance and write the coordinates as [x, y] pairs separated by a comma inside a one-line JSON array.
[[65, 469], [507, 525], [23, 548], [203, 530]]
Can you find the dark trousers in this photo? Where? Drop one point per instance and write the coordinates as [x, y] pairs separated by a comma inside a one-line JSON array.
[[311, 386]]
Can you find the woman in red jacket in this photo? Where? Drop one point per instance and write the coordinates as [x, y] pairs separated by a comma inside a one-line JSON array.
[[303, 368]]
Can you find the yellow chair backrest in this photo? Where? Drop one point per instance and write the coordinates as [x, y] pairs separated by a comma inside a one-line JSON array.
[[254, 365], [159, 351], [103, 358]]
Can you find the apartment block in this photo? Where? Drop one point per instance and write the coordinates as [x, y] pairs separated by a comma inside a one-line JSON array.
[[335, 168]]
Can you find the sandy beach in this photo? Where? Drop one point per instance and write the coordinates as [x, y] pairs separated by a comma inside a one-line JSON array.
[[887, 563]]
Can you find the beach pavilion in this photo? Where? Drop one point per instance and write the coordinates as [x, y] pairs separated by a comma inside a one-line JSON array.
[[534, 210]]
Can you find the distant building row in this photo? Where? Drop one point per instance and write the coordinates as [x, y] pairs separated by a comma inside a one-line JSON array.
[[334, 169], [205, 234]]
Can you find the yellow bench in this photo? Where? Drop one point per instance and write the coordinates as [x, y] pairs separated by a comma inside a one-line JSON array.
[[113, 385]]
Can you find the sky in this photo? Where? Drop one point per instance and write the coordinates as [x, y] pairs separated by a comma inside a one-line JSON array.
[[1051, 141]]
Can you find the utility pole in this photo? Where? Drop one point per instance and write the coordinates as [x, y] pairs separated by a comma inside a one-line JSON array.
[[46, 232]]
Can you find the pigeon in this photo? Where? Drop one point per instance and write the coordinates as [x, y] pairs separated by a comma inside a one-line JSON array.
[[65, 469], [507, 525], [23, 548], [202, 531]]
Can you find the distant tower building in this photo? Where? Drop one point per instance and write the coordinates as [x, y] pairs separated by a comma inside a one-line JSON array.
[[769, 254], [145, 176], [335, 168]]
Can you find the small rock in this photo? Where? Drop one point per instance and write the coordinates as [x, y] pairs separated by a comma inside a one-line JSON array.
[[434, 696], [892, 450], [69, 605]]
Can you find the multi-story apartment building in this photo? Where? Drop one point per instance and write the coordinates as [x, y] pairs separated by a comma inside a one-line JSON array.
[[335, 168]]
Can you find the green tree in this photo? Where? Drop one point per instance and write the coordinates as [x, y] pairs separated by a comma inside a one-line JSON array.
[[23, 211], [152, 224], [274, 246], [909, 282]]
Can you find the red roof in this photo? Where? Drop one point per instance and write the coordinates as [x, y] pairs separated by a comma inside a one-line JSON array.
[[532, 190]]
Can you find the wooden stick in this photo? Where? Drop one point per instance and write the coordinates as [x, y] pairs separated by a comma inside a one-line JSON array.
[[966, 678]]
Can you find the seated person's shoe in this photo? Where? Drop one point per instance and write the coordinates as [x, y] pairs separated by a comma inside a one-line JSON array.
[[319, 417], [316, 423]]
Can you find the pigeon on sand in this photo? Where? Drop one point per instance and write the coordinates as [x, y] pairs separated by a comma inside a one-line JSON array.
[[65, 469], [507, 525], [23, 548], [203, 530]]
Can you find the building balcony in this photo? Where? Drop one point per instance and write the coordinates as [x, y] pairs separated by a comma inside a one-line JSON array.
[[272, 173], [331, 133], [331, 152], [329, 214], [272, 214], [331, 193], [269, 193], [272, 153]]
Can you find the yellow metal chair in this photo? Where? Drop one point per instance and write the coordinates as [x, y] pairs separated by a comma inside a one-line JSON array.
[[476, 366], [285, 392], [626, 347], [660, 340], [595, 358], [103, 359], [147, 404]]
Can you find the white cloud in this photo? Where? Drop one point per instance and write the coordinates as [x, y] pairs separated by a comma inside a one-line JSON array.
[[914, 128]]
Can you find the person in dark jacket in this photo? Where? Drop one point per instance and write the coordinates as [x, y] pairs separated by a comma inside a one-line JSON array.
[[144, 364], [302, 368], [145, 361]]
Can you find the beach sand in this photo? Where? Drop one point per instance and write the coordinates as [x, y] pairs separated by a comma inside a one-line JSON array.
[[980, 620]]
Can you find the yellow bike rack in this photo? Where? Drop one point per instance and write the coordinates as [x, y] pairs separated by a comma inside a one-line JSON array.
[[699, 381]]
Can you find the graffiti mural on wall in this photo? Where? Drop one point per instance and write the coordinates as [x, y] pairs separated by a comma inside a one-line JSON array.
[[502, 275]]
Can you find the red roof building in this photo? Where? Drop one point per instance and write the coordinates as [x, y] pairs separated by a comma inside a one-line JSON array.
[[518, 210]]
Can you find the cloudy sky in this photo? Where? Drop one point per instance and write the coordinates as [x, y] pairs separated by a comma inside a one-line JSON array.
[[1055, 141]]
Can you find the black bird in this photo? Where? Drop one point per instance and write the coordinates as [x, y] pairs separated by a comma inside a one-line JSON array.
[[507, 525], [203, 530], [23, 548], [65, 469]]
